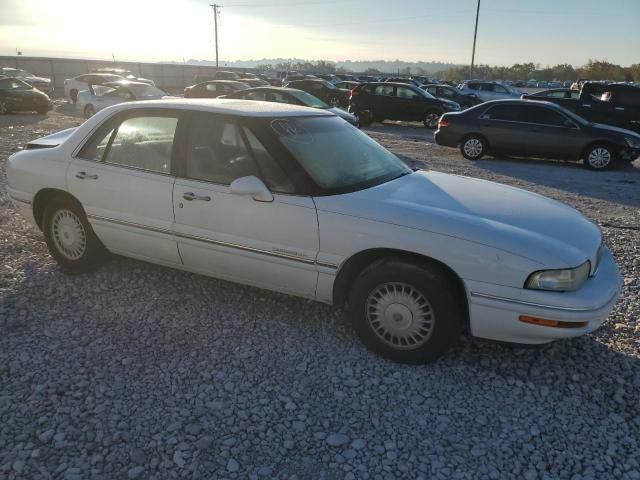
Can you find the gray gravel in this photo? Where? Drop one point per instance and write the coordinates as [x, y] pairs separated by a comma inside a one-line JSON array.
[[139, 371]]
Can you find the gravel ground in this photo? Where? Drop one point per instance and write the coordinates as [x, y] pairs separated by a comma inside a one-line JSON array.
[[139, 371]]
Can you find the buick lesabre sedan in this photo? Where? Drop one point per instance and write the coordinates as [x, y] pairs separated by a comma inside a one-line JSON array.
[[296, 200]]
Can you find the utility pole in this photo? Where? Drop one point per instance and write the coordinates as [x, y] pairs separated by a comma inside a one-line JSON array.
[[475, 35], [215, 24]]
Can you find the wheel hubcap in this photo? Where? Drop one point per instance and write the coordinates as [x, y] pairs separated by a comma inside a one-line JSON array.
[[400, 316], [68, 234], [473, 147], [431, 120], [599, 157]]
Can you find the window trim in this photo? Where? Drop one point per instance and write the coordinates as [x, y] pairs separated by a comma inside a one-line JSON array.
[[238, 122], [114, 122]]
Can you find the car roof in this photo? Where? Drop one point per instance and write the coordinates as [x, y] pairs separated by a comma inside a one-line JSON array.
[[237, 107], [123, 83], [526, 101]]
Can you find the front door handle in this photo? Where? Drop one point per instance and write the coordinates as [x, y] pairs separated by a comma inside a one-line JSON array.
[[190, 196], [83, 175]]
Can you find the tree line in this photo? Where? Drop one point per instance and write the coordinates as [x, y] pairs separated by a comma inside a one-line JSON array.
[[593, 70]]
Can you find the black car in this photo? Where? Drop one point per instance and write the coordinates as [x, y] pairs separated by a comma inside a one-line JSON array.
[[564, 97], [214, 88], [536, 129], [465, 100], [409, 81], [381, 101], [19, 96], [326, 91], [291, 96]]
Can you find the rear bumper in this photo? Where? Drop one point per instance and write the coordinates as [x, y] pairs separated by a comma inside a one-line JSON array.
[[495, 312], [446, 138]]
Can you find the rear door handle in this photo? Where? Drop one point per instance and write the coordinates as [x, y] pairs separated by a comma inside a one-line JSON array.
[[83, 175], [190, 196]]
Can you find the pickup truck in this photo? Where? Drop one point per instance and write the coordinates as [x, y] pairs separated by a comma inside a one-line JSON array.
[[615, 104]]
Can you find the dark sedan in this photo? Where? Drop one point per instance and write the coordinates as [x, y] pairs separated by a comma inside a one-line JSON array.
[[326, 91], [214, 89], [536, 129], [19, 96], [397, 101], [465, 100]]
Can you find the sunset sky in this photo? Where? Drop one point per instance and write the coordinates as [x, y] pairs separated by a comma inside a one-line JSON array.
[[541, 31]]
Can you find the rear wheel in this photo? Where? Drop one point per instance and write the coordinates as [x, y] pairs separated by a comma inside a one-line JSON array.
[[405, 312], [70, 238], [598, 157], [3, 107], [73, 95], [89, 111], [431, 120], [42, 111], [365, 117], [473, 147]]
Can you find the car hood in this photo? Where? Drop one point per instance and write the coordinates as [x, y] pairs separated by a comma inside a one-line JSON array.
[[507, 218], [611, 128]]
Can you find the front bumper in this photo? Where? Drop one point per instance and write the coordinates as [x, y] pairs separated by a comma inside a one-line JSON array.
[[495, 311]]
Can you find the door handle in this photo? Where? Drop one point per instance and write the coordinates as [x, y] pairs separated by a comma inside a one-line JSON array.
[[83, 175], [620, 109], [190, 196]]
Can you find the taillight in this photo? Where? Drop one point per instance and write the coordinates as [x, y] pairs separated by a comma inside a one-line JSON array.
[[354, 93], [443, 123]]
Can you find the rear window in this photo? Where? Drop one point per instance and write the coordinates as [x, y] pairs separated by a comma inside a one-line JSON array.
[[628, 96]]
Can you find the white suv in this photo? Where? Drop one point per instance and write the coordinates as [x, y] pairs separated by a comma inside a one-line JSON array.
[[489, 90]]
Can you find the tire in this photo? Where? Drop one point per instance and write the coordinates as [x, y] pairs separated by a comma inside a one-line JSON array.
[[599, 157], [473, 147], [4, 109], [335, 102], [42, 111], [89, 111], [73, 95], [425, 289], [365, 117], [431, 119], [70, 238]]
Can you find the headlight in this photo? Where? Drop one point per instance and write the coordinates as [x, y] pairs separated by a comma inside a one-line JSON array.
[[632, 142], [565, 280]]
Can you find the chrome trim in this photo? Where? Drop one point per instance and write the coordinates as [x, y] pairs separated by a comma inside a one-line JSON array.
[[185, 236], [541, 305]]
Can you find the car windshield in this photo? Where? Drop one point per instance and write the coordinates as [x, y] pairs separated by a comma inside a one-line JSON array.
[[146, 91], [13, 84], [309, 100], [337, 156]]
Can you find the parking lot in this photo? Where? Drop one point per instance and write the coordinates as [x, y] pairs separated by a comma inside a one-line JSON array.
[[139, 371]]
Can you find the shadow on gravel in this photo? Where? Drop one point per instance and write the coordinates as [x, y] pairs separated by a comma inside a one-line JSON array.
[[620, 185], [20, 119]]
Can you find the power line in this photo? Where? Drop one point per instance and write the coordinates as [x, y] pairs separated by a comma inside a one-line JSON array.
[[215, 23]]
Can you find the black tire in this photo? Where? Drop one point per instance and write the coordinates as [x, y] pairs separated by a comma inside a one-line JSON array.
[[429, 283], [4, 109], [365, 117], [42, 111], [64, 222], [473, 147], [73, 95], [89, 111], [599, 157], [431, 119]]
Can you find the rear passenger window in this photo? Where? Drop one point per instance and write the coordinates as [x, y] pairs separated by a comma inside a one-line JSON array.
[[143, 142], [385, 90], [404, 92], [140, 142], [628, 97], [510, 113]]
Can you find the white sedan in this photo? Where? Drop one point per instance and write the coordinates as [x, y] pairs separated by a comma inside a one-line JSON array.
[[73, 86], [296, 200], [97, 97]]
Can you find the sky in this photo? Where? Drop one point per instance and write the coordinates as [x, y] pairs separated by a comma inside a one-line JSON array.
[[546, 32]]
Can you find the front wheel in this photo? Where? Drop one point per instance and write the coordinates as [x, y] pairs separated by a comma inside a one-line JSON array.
[[70, 238], [3, 107], [405, 312], [473, 147], [598, 157], [431, 120]]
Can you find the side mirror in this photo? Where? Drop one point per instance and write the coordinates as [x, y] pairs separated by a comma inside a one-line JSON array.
[[251, 186]]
